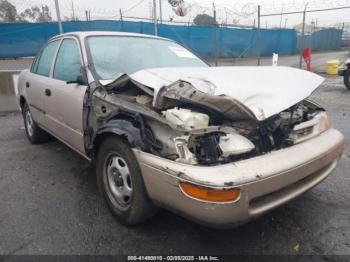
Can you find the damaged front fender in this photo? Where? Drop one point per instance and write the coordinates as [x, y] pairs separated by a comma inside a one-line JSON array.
[[124, 128]]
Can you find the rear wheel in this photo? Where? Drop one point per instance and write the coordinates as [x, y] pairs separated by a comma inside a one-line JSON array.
[[34, 133], [347, 78], [120, 180]]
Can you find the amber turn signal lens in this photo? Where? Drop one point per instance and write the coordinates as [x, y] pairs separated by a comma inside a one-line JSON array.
[[210, 194]]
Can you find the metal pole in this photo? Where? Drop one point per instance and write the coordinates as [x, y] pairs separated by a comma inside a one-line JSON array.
[[347, 37], [43, 12], [215, 36], [258, 40], [58, 17], [74, 18], [155, 17], [302, 38], [281, 18], [160, 12], [214, 12], [121, 14]]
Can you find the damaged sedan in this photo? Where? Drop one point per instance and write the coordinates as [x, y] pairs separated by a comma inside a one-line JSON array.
[[218, 145]]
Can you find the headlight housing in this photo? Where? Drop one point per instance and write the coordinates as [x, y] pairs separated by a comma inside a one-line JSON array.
[[235, 144], [324, 122], [306, 130], [211, 147]]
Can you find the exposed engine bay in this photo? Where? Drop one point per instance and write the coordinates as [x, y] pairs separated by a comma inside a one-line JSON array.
[[193, 132], [244, 139]]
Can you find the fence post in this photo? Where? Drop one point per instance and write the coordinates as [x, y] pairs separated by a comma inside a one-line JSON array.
[[258, 36], [160, 12], [281, 18], [216, 25], [302, 38], [155, 17], [60, 27]]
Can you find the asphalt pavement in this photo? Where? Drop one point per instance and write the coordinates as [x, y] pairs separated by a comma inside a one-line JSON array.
[[49, 204]]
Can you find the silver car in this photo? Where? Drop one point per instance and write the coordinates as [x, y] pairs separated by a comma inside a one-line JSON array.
[[219, 145]]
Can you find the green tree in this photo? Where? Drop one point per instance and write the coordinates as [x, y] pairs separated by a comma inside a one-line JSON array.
[[205, 20], [8, 12], [36, 14]]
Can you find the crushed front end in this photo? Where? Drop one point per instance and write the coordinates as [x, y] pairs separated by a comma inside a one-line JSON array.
[[210, 157]]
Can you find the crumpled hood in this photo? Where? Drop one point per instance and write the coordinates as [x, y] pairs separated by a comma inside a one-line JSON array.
[[265, 91]]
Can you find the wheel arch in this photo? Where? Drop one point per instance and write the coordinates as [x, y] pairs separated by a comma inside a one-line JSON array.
[[121, 128], [22, 101], [102, 137]]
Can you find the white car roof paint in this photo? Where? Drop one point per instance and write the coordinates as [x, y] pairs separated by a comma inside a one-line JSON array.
[[266, 91], [84, 34]]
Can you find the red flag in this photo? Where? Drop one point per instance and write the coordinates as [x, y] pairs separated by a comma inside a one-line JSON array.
[[307, 58]]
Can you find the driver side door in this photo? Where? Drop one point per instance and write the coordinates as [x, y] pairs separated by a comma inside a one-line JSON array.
[[63, 101]]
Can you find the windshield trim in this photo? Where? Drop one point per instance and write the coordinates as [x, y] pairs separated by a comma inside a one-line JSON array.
[[90, 60]]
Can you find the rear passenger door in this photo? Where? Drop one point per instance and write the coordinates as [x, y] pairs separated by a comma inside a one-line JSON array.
[[38, 80], [64, 101]]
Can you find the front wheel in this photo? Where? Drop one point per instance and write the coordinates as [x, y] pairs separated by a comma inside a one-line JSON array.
[[120, 180], [347, 78]]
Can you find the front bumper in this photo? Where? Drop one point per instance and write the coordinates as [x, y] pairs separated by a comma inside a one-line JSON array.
[[265, 181]]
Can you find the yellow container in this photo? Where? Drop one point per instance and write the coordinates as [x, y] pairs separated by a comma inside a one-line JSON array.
[[333, 67]]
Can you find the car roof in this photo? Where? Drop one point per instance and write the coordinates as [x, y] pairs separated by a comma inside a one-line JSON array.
[[84, 34]]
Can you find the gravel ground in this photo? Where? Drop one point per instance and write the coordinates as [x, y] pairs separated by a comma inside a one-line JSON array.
[[50, 205]]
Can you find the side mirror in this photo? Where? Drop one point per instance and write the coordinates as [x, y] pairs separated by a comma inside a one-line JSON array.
[[81, 78]]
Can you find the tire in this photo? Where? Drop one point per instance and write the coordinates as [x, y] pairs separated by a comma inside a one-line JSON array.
[[347, 78], [120, 181], [35, 134]]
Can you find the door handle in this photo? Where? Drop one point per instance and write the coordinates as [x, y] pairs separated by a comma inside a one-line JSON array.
[[47, 92], [27, 84]]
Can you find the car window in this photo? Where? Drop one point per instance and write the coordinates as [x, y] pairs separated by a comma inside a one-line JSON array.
[[67, 67], [114, 55], [43, 65]]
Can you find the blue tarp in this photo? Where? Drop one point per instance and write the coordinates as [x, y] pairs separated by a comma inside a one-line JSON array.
[[326, 39], [25, 39]]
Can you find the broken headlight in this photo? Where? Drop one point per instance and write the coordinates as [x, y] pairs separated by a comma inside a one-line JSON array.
[[235, 144], [306, 130], [325, 122], [211, 148]]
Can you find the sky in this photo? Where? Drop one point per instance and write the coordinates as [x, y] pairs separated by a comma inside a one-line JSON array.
[[243, 12]]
